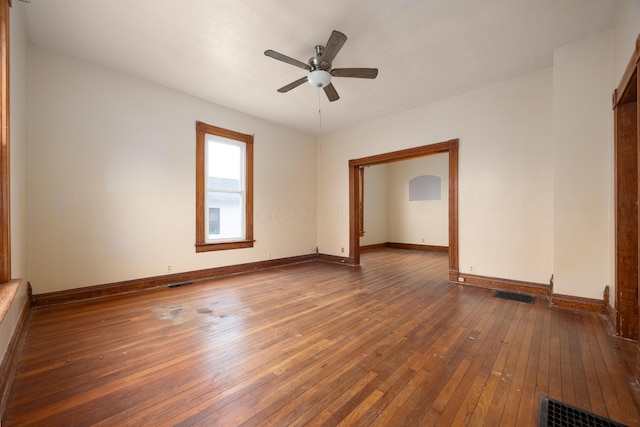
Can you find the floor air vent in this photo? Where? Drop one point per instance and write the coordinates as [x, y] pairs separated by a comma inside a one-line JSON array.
[[177, 285], [554, 413], [515, 297]]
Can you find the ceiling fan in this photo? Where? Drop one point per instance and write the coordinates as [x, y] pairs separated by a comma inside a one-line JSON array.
[[319, 67]]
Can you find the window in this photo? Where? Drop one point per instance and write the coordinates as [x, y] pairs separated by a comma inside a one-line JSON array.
[[214, 221], [224, 189]]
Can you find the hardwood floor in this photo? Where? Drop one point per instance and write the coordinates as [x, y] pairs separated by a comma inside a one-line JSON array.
[[389, 343]]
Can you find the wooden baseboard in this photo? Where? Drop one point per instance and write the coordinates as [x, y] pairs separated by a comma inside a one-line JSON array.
[[412, 246], [537, 289], [373, 247], [529, 288], [589, 305], [417, 247], [98, 291], [11, 356], [335, 259]]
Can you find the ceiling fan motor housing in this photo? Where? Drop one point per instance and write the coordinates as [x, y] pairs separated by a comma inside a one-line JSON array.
[[316, 62], [319, 75]]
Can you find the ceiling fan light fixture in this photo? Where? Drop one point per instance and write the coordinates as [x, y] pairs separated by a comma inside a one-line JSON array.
[[319, 78]]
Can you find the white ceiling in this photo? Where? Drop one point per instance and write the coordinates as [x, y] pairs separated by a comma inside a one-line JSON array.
[[426, 50]]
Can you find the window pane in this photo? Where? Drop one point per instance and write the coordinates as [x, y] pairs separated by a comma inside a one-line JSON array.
[[229, 208], [225, 187], [223, 184], [225, 159], [214, 221]]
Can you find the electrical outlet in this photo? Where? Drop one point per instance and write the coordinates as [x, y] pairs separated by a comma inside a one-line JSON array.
[[472, 268], [169, 268], [461, 279]]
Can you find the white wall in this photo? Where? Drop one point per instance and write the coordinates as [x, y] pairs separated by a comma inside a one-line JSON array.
[[625, 34], [505, 173], [418, 222], [112, 178], [389, 216], [585, 74], [583, 159], [18, 154]]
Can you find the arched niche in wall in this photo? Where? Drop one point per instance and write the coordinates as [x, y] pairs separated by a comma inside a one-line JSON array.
[[425, 187]]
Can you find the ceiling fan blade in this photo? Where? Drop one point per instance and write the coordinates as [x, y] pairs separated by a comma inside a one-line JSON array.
[[334, 44], [360, 73], [284, 58], [331, 92], [292, 85]]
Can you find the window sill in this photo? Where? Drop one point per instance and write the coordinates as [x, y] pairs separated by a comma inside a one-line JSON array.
[[238, 244], [8, 293]]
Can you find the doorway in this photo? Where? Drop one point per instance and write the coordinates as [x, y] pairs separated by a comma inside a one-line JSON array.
[[355, 193]]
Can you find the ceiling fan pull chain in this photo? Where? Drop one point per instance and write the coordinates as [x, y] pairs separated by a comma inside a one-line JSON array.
[[319, 111]]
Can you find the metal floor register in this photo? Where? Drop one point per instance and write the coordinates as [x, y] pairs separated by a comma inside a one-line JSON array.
[[558, 414]]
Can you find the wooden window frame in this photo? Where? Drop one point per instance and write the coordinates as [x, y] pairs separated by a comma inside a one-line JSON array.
[[202, 245], [5, 230]]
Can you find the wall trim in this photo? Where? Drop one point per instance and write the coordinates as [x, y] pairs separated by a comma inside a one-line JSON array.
[[11, 356], [412, 246], [529, 288], [127, 286], [454, 275], [571, 302], [5, 142], [375, 247], [335, 259], [8, 293], [622, 90], [418, 247], [589, 305]]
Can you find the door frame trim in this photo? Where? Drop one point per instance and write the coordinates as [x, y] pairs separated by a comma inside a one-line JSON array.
[[451, 147]]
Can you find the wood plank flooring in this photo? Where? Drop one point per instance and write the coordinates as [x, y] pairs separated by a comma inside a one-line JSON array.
[[390, 343]]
